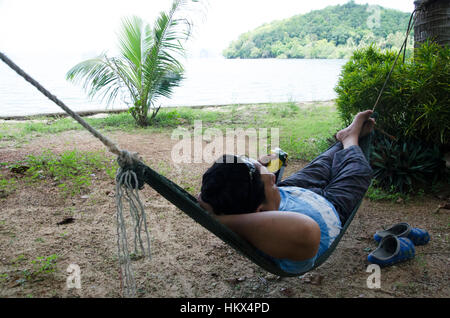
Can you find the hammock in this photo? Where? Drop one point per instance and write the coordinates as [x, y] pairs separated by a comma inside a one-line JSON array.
[[188, 204]]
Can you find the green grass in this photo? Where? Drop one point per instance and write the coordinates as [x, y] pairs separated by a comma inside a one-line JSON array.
[[304, 133], [44, 264], [72, 171], [376, 193], [7, 186], [166, 119], [32, 270], [303, 130]]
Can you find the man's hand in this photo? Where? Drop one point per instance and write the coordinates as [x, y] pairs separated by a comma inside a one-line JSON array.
[[264, 160]]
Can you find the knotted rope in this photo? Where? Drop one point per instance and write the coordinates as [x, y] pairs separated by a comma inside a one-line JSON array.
[[126, 189]]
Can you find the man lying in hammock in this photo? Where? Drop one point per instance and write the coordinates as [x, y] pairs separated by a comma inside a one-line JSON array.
[[315, 201]]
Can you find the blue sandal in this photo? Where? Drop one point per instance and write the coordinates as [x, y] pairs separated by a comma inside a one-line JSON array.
[[392, 250], [416, 235]]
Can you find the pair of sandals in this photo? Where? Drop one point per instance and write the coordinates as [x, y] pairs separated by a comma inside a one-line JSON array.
[[396, 244]]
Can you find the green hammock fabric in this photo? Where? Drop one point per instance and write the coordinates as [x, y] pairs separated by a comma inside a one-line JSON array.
[[188, 204]]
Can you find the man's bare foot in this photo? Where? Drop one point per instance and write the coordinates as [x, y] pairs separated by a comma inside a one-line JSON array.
[[367, 127], [361, 126]]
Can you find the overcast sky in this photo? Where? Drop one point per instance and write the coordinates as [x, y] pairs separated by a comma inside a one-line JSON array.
[[86, 27]]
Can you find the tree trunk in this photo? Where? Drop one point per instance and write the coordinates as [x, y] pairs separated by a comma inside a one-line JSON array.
[[432, 22]]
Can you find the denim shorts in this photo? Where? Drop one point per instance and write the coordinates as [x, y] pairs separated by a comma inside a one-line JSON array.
[[342, 176]]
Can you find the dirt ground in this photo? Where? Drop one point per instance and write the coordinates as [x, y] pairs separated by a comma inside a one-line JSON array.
[[187, 260]]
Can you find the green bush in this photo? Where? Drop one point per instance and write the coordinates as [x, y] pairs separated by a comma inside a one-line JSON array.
[[415, 103], [414, 108]]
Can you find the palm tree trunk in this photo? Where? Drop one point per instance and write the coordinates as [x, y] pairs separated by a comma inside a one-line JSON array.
[[432, 22], [142, 119]]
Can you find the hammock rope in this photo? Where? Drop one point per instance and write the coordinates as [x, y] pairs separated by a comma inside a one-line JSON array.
[[412, 21], [126, 189]]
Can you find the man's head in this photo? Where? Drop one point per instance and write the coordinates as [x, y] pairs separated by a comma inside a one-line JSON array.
[[235, 185]]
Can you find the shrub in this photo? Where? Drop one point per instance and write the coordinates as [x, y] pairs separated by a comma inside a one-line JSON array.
[[414, 104], [414, 108]]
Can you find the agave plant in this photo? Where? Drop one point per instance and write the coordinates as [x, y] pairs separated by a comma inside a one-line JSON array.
[[146, 68], [404, 166]]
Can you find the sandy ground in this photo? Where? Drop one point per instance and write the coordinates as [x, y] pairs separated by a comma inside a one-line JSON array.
[[187, 260]]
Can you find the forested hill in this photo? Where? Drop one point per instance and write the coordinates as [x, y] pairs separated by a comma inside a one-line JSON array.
[[333, 32]]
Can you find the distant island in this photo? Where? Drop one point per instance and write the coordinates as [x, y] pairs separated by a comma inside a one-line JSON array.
[[331, 33]]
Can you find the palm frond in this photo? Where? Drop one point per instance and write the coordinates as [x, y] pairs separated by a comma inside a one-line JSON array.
[[98, 77], [148, 66], [167, 82], [132, 46], [162, 67]]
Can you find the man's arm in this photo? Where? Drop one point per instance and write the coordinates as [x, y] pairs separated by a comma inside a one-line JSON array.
[[279, 234]]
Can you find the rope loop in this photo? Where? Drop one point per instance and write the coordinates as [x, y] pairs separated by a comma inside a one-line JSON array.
[[127, 198], [128, 159], [130, 162]]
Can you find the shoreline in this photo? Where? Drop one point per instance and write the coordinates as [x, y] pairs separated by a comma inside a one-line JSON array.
[[86, 113]]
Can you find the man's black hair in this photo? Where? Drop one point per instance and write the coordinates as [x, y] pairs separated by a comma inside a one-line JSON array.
[[231, 188]]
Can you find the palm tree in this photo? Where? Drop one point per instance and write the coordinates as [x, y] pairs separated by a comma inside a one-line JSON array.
[[146, 68], [432, 22]]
